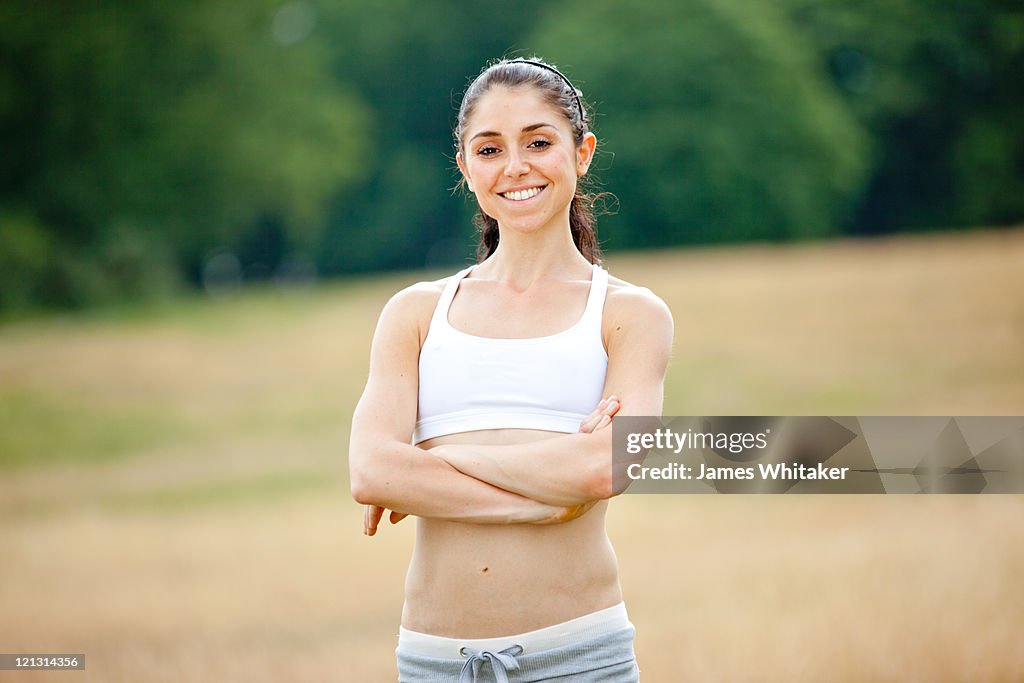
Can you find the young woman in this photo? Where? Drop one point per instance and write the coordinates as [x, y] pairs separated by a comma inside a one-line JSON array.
[[496, 375]]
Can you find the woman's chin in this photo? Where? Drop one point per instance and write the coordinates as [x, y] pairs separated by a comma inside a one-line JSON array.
[[522, 225]]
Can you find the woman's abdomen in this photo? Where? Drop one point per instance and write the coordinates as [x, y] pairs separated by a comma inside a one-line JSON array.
[[483, 580]]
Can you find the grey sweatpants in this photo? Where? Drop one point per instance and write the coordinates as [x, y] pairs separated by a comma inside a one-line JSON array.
[[607, 658]]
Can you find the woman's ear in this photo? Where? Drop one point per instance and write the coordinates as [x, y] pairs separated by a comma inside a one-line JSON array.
[[462, 168], [585, 153]]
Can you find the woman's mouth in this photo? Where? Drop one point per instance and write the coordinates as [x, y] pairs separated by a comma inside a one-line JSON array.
[[523, 195]]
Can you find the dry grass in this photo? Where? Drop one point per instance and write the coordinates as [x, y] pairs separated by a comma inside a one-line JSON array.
[[798, 588], [177, 507], [929, 325]]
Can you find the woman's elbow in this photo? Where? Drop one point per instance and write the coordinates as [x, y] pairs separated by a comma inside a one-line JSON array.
[[606, 482], [361, 478], [599, 484], [359, 485], [373, 461], [360, 489]]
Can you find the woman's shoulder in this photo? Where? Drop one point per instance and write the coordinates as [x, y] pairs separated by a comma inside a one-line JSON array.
[[636, 323], [414, 305], [634, 304]]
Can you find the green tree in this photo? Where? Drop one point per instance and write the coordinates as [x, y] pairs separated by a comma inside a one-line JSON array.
[[717, 122], [183, 125], [939, 87]]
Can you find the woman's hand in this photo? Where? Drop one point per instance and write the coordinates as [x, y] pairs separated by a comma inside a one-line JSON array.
[[602, 415], [599, 419], [372, 515]]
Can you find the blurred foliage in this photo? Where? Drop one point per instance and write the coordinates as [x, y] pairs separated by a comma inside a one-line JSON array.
[[939, 87], [721, 126], [181, 125], [146, 142]]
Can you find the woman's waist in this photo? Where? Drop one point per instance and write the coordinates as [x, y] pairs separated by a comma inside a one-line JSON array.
[[464, 579], [498, 611], [590, 625]]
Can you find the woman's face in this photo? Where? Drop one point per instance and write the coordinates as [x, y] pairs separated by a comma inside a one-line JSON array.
[[519, 159]]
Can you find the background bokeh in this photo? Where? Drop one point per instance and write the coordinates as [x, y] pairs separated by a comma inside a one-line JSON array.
[[203, 209], [152, 145]]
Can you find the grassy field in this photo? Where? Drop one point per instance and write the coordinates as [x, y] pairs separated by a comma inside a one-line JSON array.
[[173, 496]]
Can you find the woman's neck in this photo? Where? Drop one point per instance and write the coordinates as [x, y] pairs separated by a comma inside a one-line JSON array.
[[522, 258]]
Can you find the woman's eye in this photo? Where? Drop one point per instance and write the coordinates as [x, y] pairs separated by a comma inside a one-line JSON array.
[[540, 144], [487, 151]]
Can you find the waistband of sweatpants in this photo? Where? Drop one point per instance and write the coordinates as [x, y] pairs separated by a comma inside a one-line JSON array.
[[588, 626]]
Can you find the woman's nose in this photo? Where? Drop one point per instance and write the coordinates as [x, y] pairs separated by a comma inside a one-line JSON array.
[[516, 165]]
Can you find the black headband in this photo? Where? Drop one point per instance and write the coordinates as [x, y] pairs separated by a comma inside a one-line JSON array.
[[579, 105]]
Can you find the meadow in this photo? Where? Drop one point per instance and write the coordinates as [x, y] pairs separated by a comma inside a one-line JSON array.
[[174, 499]]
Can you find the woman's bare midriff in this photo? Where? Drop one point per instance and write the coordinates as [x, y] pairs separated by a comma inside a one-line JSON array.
[[490, 580]]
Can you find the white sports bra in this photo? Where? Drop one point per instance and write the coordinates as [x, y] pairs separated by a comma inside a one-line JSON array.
[[468, 383]]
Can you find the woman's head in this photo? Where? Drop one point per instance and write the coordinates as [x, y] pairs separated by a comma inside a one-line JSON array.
[[523, 139]]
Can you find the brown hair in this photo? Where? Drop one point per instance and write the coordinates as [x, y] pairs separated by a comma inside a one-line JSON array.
[[561, 94]]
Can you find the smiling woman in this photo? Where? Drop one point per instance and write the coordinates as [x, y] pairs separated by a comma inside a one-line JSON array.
[[483, 414], [566, 115], [523, 174]]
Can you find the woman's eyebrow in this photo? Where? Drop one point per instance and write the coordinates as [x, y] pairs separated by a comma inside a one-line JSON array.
[[526, 129]]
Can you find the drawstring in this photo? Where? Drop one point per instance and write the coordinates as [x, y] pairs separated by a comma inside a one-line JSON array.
[[501, 663]]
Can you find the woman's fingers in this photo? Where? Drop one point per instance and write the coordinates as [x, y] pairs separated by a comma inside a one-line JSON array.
[[611, 406], [372, 514], [371, 518], [588, 423], [606, 408], [397, 517], [604, 417]]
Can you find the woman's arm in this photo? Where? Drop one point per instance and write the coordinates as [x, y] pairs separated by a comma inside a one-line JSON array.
[[574, 468], [599, 418], [386, 470]]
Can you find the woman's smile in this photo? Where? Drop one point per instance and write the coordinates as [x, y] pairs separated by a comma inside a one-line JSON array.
[[524, 195]]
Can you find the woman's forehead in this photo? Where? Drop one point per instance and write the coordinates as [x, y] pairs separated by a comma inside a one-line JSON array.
[[516, 107]]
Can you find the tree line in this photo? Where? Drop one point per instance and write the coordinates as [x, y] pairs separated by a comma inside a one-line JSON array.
[[147, 144]]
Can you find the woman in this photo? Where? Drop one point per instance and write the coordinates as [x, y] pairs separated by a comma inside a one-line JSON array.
[[496, 374]]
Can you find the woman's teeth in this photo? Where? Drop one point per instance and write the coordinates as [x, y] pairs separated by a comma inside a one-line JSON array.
[[522, 194]]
